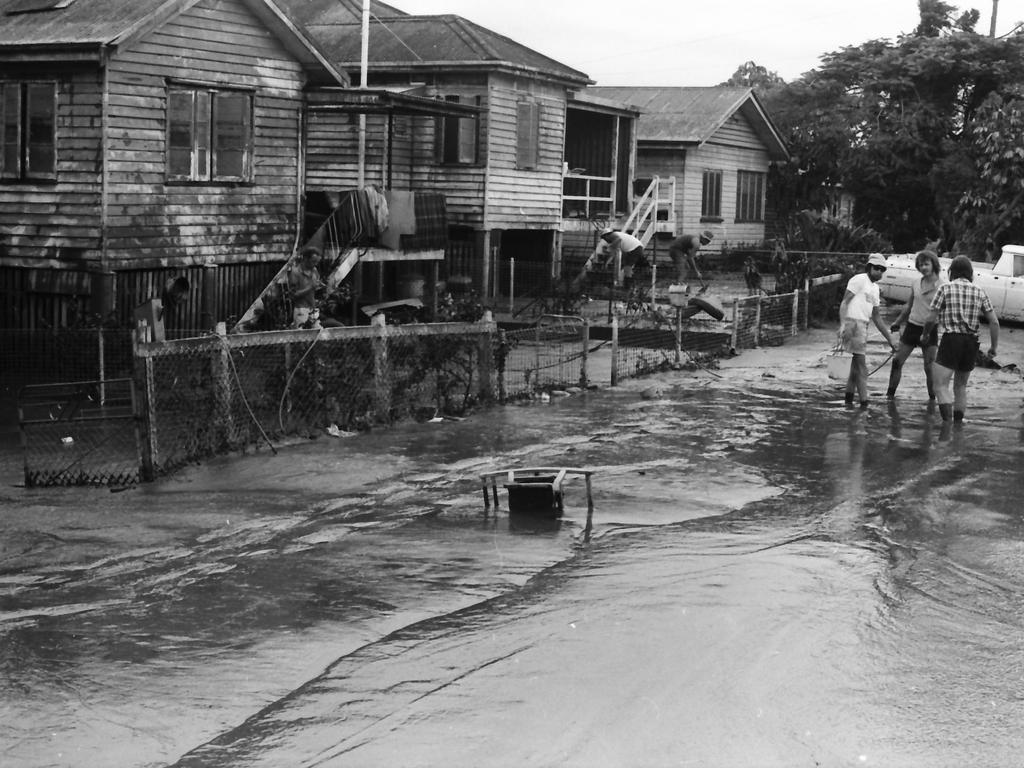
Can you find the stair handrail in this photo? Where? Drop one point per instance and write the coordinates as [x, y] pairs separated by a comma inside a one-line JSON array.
[[643, 218]]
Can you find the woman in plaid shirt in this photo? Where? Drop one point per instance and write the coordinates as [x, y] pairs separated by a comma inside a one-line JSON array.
[[957, 307]]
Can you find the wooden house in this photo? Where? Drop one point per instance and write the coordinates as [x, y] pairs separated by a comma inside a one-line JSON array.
[[718, 144], [502, 164], [148, 139]]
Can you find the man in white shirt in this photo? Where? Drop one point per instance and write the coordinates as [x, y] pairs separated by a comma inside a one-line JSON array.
[[859, 307], [632, 250]]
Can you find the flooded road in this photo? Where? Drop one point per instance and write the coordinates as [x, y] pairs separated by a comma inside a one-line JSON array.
[[768, 579]]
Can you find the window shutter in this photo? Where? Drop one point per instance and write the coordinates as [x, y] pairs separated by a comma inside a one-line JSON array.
[[527, 134], [10, 130]]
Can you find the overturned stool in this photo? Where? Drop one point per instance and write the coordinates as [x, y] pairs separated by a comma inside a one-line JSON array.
[[535, 491]]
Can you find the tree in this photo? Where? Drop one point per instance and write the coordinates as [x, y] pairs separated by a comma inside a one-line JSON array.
[[891, 123], [990, 205], [752, 75]]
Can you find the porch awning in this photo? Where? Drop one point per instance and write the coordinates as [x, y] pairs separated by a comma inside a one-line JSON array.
[[378, 101]]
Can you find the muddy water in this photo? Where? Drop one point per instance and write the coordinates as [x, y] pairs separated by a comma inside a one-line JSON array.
[[768, 579]]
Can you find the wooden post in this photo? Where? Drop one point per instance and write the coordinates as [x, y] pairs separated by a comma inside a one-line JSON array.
[[735, 323], [796, 311], [679, 335], [757, 323], [585, 339], [224, 425], [381, 377], [485, 353], [615, 350], [502, 383]]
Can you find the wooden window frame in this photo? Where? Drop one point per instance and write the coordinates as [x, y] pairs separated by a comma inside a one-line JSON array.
[[711, 195], [203, 145], [527, 135], [28, 150], [750, 191], [458, 138]]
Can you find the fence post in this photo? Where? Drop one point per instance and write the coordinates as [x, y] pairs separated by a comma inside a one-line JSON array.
[[102, 366], [486, 357], [615, 350], [512, 285], [679, 335], [502, 365], [224, 425], [735, 324], [757, 323], [381, 379], [796, 311], [147, 409], [585, 338]]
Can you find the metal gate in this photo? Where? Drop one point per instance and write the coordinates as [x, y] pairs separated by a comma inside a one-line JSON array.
[[80, 433]]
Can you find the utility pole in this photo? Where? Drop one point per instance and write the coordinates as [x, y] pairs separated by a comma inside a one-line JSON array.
[[995, 12]]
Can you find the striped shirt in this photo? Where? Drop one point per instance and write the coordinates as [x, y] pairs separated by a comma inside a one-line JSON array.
[[960, 305]]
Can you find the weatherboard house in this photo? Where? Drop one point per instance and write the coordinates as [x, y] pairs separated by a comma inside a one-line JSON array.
[[147, 138], [718, 144], [531, 165]]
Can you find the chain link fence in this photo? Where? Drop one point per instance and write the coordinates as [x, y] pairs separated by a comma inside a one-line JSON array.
[[654, 339], [219, 393], [552, 354], [80, 433]]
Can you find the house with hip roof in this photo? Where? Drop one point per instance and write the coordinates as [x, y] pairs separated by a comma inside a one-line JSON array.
[[718, 143], [530, 163]]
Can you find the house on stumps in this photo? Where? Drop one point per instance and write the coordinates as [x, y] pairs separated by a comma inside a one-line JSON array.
[[718, 143], [530, 168], [148, 140]]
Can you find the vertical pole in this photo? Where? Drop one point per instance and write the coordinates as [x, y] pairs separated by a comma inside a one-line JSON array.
[[102, 365], [757, 323], [152, 455], [224, 423], [208, 292], [679, 335], [487, 499], [735, 323], [796, 311], [485, 352], [615, 350], [512, 285], [381, 383], [364, 66], [585, 339], [502, 383]]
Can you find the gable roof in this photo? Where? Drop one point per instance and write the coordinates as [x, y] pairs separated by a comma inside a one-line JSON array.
[[408, 43], [338, 11], [682, 115], [90, 30]]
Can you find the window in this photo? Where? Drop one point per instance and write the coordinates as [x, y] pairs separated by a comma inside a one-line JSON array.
[[28, 131], [527, 135], [209, 135], [749, 196], [711, 196], [457, 137]]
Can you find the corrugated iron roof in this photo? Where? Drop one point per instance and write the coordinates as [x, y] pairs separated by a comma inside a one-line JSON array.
[[338, 11], [89, 29], [83, 22], [403, 42], [693, 115]]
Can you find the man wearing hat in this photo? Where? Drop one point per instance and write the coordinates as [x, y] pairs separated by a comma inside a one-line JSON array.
[[683, 251], [859, 307]]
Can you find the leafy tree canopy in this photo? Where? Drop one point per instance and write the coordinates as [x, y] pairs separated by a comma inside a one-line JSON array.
[[897, 125]]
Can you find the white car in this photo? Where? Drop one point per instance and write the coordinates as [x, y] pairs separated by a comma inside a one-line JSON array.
[[1003, 281]]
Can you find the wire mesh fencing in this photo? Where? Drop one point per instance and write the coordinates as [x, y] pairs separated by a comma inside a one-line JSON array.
[[551, 354], [80, 433], [217, 393], [767, 321], [656, 339]]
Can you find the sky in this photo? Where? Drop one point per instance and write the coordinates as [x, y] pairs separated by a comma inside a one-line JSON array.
[[696, 42]]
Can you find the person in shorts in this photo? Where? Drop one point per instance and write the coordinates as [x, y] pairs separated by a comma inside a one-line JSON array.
[[631, 248], [914, 314], [858, 308], [957, 308]]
